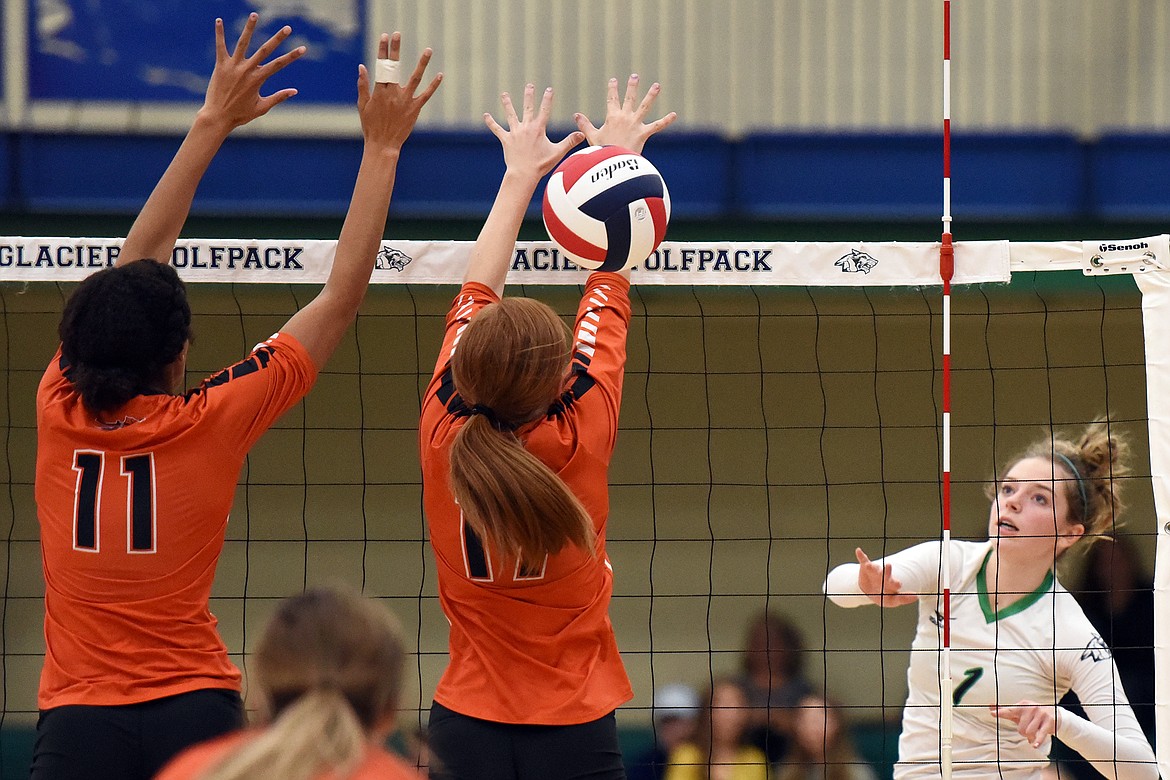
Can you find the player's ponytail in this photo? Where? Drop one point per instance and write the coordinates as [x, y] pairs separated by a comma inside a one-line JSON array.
[[120, 331], [1103, 456], [317, 733], [509, 367], [330, 666]]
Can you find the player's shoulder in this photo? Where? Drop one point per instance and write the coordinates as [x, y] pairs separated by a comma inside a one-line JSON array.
[[277, 349], [968, 556], [1072, 627]]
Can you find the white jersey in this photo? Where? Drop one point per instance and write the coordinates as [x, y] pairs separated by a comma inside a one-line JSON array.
[[1036, 649]]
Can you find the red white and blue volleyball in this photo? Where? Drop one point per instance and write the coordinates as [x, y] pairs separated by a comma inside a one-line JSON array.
[[606, 208]]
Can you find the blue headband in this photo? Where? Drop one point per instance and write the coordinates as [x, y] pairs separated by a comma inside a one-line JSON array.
[[1080, 482]]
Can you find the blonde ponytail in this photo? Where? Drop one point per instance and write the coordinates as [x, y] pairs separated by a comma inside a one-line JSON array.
[[330, 667], [318, 733]]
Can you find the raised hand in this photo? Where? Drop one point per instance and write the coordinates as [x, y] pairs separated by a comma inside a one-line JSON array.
[[1034, 722], [624, 125], [233, 94], [233, 99], [388, 111], [879, 584], [528, 151]]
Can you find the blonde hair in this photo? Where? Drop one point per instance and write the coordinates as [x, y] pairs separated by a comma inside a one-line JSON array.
[[509, 368], [330, 666], [1097, 459]]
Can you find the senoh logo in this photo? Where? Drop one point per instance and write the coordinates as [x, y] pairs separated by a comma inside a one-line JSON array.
[[1122, 247]]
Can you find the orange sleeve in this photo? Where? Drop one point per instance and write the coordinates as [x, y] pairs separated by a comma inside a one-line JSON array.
[[599, 349], [472, 297], [248, 397]]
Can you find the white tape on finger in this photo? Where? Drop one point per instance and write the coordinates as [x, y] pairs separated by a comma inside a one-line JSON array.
[[386, 72]]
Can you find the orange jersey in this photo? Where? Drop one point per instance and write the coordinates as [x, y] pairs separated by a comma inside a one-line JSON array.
[[193, 762], [533, 647], [132, 513]]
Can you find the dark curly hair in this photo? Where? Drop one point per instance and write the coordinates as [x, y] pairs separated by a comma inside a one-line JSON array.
[[120, 330]]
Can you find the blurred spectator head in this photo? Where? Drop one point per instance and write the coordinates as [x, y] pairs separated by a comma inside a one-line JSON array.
[[676, 711], [773, 649]]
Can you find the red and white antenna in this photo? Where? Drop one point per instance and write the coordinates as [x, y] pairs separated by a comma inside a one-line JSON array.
[[946, 271]]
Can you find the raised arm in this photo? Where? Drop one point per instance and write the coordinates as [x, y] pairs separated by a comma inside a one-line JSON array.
[[388, 114], [233, 99], [528, 155]]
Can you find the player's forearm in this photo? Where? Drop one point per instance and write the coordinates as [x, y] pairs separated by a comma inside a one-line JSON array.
[[491, 257], [322, 323], [361, 233], [842, 589], [158, 225], [1123, 754]]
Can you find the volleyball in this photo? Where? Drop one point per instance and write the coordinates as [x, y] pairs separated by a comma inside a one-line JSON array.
[[606, 208]]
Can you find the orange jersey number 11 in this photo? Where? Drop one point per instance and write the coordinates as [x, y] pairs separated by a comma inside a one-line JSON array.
[[139, 472]]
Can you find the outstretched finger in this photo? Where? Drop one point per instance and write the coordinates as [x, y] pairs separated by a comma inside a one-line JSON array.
[[890, 584], [546, 103], [862, 558], [420, 68], [221, 52], [584, 125], [430, 90], [1007, 713], [281, 62], [384, 46], [632, 92], [494, 126], [268, 103], [509, 110], [648, 100], [245, 39], [568, 142], [611, 95], [270, 45], [363, 87], [529, 101], [662, 123]]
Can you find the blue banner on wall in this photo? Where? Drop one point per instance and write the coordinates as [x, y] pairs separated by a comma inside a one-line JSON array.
[[164, 50]]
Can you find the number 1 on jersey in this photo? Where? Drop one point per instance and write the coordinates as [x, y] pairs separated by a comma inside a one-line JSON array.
[[139, 471], [970, 677]]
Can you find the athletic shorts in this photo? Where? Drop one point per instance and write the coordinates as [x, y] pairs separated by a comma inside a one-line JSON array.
[[129, 741], [465, 748]]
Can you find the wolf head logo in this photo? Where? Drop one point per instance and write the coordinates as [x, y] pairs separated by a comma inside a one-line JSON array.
[[856, 261], [389, 257], [1096, 650]]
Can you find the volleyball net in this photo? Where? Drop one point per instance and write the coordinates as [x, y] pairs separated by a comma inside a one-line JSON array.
[[781, 407]]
